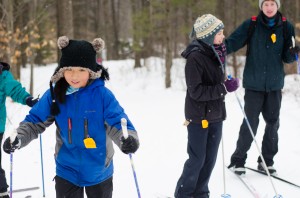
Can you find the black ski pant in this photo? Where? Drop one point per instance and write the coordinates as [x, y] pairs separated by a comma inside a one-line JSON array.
[[66, 189], [202, 149], [3, 183], [256, 102]]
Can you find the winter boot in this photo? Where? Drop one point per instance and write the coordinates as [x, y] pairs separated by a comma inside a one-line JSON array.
[[271, 169], [239, 170], [3, 185], [4, 195]]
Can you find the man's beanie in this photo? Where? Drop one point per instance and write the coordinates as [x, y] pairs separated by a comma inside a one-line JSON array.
[[261, 2], [206, 27], [76, 53]]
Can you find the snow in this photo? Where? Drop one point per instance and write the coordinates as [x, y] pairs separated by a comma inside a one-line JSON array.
[[158, 115]]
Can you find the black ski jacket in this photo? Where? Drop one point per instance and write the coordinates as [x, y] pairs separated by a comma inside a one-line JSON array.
[[204, 79]]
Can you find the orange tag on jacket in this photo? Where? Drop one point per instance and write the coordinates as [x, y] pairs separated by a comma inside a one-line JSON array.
[[89, 143], [273, 37]]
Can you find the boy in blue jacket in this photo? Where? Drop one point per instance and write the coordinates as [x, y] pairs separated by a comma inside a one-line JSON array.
[[12, 88], [87, 116]]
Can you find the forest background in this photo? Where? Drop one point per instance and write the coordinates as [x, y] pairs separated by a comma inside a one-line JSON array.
[[132, 29]]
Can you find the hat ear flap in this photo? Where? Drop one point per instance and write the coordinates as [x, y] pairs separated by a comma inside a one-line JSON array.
[[98, 44], [62, 42]]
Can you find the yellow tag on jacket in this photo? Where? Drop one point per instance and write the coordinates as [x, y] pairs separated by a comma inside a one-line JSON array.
[[89, 143]]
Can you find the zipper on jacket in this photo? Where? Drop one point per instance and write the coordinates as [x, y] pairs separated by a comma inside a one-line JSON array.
[[89, 142], [205, 121], [86, 132], [70, 130]]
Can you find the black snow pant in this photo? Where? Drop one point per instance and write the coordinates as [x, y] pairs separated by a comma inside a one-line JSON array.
[[256, 102], [202, 149], [3, 183], [66, 189]]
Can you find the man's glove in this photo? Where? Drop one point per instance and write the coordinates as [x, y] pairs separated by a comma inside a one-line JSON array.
[[232, 84], [129, 145], [9, 146], [295, 50], [30, 101]]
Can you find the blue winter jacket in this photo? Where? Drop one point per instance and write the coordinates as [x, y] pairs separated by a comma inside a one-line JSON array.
[[13, 88], [94, 105]]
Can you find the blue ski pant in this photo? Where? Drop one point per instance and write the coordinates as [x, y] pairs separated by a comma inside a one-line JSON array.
[[256, 102], [202, 149]]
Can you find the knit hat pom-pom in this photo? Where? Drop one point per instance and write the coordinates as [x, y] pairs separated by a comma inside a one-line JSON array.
[[98, 44], [62, 42]]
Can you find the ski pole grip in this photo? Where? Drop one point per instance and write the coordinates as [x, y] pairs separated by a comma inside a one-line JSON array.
[[294, 44], [13, 136], [124, 127]]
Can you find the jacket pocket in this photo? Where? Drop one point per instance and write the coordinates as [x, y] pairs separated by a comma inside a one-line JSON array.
[[215, 110]]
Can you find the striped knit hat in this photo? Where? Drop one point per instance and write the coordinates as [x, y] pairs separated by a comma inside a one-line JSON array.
[[261, 2], [206, 27]]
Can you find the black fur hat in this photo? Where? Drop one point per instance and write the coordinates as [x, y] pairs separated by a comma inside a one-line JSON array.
[[75, 53], [78, 53]]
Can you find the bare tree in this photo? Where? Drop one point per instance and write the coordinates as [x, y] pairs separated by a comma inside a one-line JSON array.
[[168, 57], [9, 23], [64, 19]]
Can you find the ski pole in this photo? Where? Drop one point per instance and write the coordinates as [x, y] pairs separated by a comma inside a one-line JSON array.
[[13, 136], [296, 56], [125, 134], [11, 175], [257, 146], [42, 164], [225, 195]]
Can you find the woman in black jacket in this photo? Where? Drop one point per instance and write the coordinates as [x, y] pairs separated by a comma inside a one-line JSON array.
[[204, 104]]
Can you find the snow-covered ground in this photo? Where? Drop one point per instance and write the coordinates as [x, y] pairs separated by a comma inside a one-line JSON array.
[[158, 116]]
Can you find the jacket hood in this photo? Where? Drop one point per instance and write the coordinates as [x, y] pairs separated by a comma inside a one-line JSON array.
[[197, 45], [95, 83]]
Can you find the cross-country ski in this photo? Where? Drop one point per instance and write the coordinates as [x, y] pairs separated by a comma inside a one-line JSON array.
[[243, 178], [25, 189], [274, 176]]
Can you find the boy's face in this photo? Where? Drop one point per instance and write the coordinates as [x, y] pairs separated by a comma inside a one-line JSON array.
[[219, 37], [269, 8], [77, 77]]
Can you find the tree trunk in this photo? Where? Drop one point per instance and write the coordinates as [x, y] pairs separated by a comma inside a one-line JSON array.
[[9, 22], [168, 57], [234, 56], [64, 20], [116, 46], [136, 6]]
